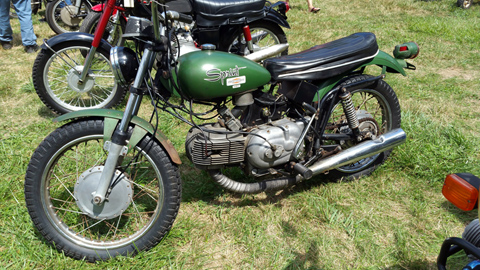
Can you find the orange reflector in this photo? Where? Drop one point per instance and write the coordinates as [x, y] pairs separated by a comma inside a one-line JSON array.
[[459, 192]]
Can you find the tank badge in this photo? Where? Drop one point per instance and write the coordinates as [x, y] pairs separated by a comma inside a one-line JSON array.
[[232, 75]]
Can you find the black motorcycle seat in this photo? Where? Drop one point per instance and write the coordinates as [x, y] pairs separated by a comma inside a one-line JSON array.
[[219, 12], [326, 60]]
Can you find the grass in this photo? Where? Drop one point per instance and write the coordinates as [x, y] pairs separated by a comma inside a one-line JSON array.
[[394, 219]]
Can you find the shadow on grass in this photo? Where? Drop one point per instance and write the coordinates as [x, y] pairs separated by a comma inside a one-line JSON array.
[[46, 113], [197, 185], [414, 265], [464, 216]]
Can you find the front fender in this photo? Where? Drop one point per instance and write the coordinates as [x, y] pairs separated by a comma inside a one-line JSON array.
[[74, 37], [112, 117]]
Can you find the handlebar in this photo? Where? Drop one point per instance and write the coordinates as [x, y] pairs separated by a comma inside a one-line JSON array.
[[174, 15]]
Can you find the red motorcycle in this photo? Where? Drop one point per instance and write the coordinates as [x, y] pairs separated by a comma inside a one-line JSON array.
[[72, 71]]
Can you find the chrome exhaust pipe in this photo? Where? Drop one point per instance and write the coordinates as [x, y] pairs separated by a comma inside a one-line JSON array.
[[267, 52], [363, 150]]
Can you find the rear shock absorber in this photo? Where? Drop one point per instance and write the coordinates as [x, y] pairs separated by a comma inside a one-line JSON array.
[[350, 113], [248, 37]]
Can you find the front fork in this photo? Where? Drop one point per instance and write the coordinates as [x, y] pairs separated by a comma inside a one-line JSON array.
[[117, 147]]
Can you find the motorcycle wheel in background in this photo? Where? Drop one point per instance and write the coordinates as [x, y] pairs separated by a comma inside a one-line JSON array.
[[465, 4], [378, 111], [63, 16], [65, 170], [264, 34], [112, 37], [56, 77]]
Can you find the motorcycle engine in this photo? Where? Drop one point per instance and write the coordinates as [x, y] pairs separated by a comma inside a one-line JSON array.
[[268, 146], [282, 134]]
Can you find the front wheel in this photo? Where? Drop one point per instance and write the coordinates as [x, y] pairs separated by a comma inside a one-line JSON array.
[[264, 34], [113, 31], [378, 111], [63, 16], [465, 4], [64, 172], [56, 78]]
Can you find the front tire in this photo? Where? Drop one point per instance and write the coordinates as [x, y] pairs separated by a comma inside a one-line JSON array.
[[63, 172], [264, 34], [378, 112], [56, 78]]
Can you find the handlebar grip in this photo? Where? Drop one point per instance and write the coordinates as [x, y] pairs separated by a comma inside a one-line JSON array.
[[174, 15], [185, 18]]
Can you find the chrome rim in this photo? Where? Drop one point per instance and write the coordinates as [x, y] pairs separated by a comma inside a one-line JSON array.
[[62, 74], [261, 37], [60, 182], [374, 115]]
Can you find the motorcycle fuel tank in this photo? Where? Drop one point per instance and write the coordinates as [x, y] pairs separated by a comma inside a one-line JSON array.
[[208, 74]]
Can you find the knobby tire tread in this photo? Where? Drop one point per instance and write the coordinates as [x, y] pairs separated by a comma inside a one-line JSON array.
[[172, 186]]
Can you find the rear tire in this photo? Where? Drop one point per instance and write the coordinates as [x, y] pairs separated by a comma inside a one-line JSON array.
[[55, 79], [63, 172], [378, 111], [270, 33], [90, 24]]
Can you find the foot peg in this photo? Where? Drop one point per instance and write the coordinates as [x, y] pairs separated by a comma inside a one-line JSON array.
[[302, 170]]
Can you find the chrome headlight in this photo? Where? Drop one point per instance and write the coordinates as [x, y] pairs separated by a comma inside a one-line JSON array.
[[124, 64]]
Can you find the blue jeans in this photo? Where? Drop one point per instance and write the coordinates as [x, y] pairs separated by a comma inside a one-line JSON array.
[[23, 9]]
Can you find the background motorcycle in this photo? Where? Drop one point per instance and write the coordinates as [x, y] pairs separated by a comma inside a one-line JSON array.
[[326, 115], [265, 31], [67, 15], [462, 189], [66, 79]]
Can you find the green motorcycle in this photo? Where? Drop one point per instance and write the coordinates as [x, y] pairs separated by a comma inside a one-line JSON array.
[[107, 183]]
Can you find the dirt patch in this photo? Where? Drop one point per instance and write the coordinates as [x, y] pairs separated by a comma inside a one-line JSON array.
[[457, 72]]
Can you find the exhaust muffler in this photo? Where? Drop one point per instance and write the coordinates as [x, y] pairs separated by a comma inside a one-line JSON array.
[[363, 150]]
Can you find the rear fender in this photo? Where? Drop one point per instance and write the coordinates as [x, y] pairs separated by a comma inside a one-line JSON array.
[[387, 63], [112, 117], [74, 37], [277, 18]]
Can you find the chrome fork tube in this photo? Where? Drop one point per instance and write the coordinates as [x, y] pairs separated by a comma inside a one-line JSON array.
[[115, 150]]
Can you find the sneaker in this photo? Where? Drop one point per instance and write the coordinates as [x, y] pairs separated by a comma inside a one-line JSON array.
[[31, 48], [6, 45]]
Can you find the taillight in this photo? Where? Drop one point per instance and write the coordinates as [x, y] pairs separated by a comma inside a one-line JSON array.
[[406, 50], [461, 189]]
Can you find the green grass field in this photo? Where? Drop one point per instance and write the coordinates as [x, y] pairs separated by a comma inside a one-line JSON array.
[[396, 218]]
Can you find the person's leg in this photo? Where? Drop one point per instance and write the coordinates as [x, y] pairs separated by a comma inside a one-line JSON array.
[[311, 8], [24, 12], [5, 28]]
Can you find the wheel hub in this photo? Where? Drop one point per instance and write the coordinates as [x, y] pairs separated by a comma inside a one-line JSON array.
[[118, 200], [67, 14], [73, 79]]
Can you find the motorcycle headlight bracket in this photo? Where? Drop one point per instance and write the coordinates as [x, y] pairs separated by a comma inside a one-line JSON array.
[[124, 65]]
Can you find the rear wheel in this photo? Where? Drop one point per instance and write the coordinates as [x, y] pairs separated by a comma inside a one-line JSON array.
[[63, 16], [56, 78], [264, 34], [64, 172], [378, 111]]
